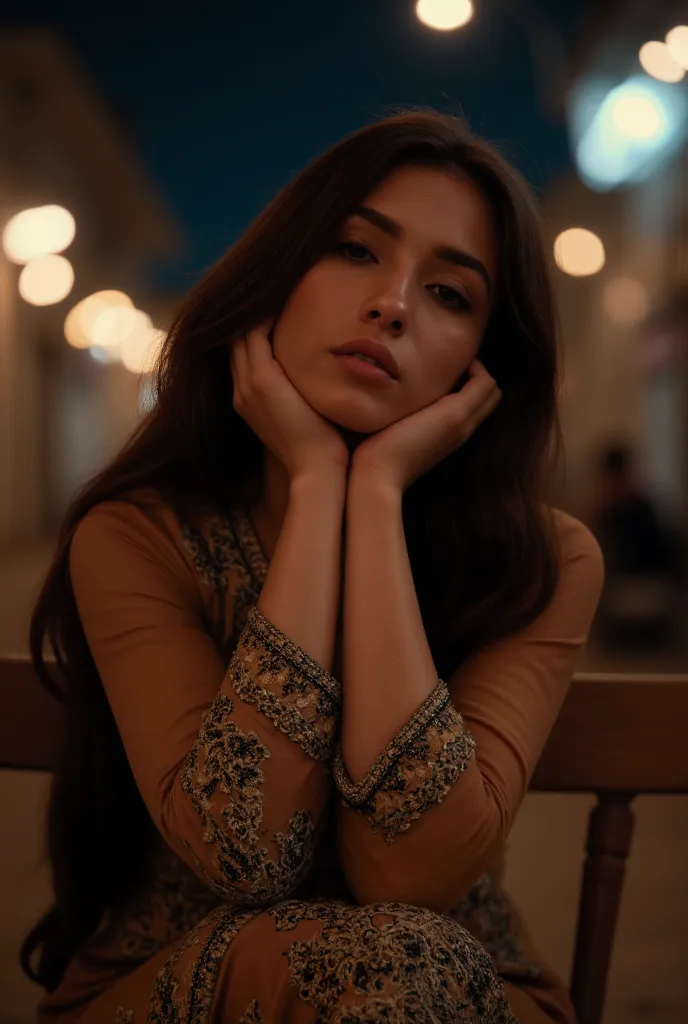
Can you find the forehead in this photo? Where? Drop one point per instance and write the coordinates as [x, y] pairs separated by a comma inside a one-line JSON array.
[[437, 207]]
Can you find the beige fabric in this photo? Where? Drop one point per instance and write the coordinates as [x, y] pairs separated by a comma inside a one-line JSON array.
[[261, 903]]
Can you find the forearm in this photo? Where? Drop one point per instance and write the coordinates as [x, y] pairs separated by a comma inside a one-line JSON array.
[[302, 589], [387, 666]]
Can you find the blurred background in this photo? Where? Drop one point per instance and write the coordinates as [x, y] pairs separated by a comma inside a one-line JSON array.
[[137, 142]]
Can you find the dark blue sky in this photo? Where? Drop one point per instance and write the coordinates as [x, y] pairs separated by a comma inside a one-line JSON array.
[[228, 102]]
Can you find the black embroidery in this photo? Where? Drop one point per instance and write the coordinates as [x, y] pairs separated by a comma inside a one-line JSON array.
[[172, 901], [288, 686], [184, 989], [390, 962], [253, 1014], [488, 915], [223, 779], [414, 771]]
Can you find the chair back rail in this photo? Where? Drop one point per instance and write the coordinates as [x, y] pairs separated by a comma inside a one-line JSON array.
[[617, 735]]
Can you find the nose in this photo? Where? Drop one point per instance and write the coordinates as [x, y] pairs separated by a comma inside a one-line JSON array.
[[388, 307]]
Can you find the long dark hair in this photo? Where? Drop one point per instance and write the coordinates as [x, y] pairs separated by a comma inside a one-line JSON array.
[[480, 540]]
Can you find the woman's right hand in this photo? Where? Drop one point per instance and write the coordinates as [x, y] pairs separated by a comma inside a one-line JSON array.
[[303, 441]]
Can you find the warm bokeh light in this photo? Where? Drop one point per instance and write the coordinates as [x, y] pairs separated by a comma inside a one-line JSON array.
[[78, 326], [579, 252], [626, 300], [444, 15], [677, 44], [106, 356], [638, 117], [656, 60], [112, 328], [37, 232], [141, 349], [46, 280]]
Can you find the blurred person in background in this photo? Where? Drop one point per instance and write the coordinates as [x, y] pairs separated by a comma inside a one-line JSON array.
[[315, 622], [639, 601]]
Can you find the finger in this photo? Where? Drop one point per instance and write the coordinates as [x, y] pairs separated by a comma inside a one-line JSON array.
[[239, 370], [238, 357], [258, 347], [477, 389], [483, 412]]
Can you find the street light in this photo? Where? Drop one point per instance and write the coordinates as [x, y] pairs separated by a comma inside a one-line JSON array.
[[38, 231], [444, 15], [46, 280], [579, 252], [658, 61], [677, 44]]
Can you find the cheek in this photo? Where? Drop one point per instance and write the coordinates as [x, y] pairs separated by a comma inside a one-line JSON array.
[[448, 361], [309, 312]]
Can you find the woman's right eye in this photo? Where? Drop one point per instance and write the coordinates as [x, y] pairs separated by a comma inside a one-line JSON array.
[[353, 251]]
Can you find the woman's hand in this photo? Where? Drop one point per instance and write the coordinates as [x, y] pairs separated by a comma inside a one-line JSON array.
[[265, 398], [407, 449]]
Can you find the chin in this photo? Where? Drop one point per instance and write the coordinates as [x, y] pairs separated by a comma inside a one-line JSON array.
[[354, 420]]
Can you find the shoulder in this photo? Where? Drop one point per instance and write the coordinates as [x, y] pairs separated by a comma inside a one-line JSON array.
[[581, 565], [139, 525]]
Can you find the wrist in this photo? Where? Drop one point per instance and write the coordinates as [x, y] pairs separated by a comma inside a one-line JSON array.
[[372, 482], [328, 481]]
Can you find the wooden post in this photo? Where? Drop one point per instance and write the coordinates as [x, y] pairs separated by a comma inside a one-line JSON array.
[[610, 832]]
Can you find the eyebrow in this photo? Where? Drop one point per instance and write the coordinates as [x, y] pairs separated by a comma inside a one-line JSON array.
[[448, 253]]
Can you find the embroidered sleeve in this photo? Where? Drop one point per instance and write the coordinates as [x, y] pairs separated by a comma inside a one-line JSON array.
[[298, 696], [414, 771], [508, 695], [230, 755]]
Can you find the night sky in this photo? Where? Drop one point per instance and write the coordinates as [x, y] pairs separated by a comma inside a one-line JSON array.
[[227, 103]]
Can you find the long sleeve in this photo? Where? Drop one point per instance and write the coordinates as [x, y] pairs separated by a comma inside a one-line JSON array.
[[436, 807], [230, 759]]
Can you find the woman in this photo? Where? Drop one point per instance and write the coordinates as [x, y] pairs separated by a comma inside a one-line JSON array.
[[316, 623]]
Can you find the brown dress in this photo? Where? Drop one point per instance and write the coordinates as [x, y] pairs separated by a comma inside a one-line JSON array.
[[280, 891]]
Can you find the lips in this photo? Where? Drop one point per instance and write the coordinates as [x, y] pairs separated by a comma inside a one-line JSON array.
[[375, 350]]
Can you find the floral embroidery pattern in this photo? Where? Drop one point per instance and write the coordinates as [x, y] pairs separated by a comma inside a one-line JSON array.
[[253, 1014], [298, 696], [414, 771], [390, 962], [384, 962], [488, 915], [226, 762], [172, 901], [228, 546], [184, 989]]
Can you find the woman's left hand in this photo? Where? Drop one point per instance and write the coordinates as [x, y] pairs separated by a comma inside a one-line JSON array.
[[404, 451]]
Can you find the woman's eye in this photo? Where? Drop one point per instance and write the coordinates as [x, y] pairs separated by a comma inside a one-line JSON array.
[[451, 297], [354, 251]]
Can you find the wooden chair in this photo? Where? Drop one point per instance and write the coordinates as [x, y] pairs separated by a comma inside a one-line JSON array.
[[617, 736]]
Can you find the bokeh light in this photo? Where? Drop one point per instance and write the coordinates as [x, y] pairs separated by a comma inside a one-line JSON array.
[[579, 252], [46, 280], [638, 116], [37, 232], [141, 349], [677, 44], [78, 326], [106, 356], [656, 60], [625, 134], [444, 15], [626, 300], [112, 328]]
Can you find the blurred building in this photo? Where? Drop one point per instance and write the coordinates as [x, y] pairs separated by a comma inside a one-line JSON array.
[[625, 328], [61, 412]]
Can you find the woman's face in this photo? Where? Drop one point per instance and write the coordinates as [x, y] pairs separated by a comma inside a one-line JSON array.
[[413, 269]]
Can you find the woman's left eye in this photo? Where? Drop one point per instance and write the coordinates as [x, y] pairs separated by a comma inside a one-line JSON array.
[[451, 297], [354, 251]]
